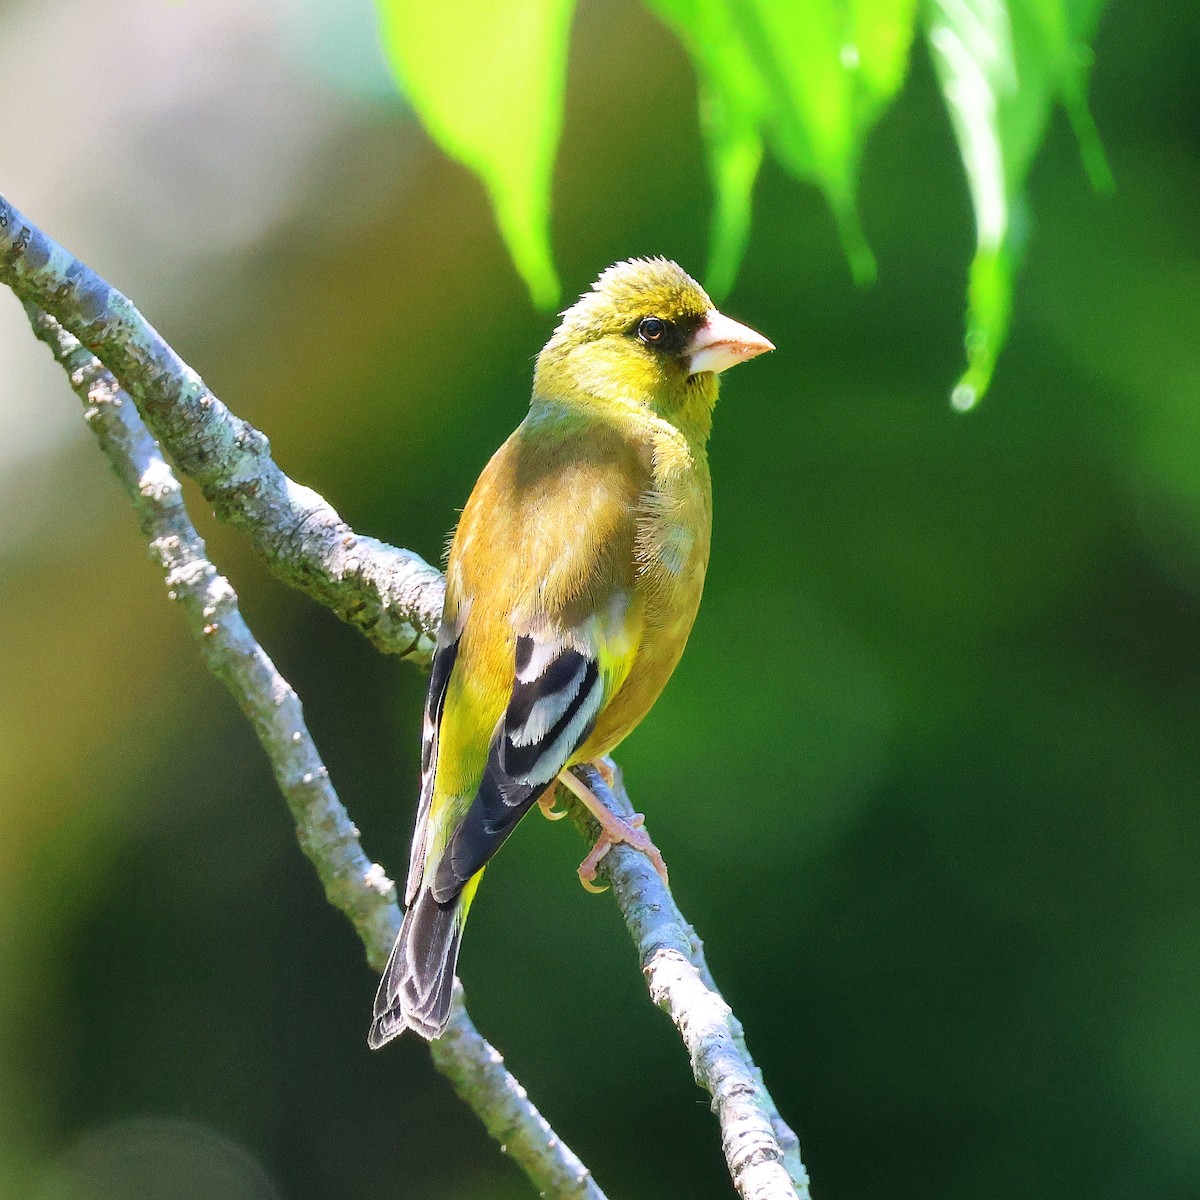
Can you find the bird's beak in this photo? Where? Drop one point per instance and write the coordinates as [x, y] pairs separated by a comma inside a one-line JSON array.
[[720, 342]]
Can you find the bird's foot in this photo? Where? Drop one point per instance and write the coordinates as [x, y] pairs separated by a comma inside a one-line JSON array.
[[587, 868], [546, 802], [613, 831]]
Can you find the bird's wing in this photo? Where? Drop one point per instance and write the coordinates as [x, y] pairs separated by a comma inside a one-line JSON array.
[[541, 629], [563, 680], [444, 656]]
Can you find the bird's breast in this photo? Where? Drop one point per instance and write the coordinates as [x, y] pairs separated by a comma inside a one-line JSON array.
[[673, 533], [674, 526]]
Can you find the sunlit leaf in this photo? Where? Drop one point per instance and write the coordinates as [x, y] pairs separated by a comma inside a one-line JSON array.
[[1002, 66], [811, 79], [735, 150], [734, 100], [804, 80], [487, 81], [1065, 30]]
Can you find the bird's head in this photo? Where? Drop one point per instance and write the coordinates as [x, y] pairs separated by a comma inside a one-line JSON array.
[[646, 335]]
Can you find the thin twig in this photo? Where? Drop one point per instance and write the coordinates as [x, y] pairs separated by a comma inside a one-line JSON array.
[[352, 882], [308, 545]]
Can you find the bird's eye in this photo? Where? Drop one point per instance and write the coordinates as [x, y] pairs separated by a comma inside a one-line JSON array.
[[652, 330]]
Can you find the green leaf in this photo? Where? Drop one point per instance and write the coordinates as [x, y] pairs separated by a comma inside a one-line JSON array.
[[735, 151], [1002, 66], [810, 78], [734, 99], [487, 81]]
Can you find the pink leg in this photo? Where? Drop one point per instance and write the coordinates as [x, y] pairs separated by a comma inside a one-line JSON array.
[[546, 804], [613, 830]]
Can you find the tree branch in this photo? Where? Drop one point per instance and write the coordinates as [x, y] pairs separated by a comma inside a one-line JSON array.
[[761, 1151], [479, 1077], [328, 837], [395, 598], [392, 595]]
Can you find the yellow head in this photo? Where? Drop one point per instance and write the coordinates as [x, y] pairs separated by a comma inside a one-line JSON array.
[[646, 335]]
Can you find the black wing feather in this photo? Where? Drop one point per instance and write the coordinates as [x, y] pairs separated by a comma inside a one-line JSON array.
[[521, 765], [444, 658]]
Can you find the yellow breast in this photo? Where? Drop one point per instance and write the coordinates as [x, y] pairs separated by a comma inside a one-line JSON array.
[[674, 528]]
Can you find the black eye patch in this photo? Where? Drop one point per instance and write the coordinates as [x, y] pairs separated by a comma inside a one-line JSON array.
[[661, 334]]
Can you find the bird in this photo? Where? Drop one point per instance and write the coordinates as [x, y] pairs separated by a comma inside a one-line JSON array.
[[573, 579]]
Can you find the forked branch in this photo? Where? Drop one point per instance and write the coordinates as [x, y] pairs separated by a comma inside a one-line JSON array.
[[394, 597], [352, 882]]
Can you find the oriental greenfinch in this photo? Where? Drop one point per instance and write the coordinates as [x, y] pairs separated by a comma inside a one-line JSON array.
[[572, 583]]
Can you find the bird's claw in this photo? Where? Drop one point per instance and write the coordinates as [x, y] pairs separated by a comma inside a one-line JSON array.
[[587, 868], [546, 804], [632, 834]]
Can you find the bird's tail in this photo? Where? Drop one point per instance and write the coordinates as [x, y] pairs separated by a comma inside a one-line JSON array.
[[418, 981]]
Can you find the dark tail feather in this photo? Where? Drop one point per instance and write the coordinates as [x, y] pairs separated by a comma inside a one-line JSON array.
[[418, 980]]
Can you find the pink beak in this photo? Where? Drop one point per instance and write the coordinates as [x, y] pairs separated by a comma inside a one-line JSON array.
[[721, 342]]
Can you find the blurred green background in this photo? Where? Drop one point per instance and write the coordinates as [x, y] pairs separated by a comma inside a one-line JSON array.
[[926, 778]]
